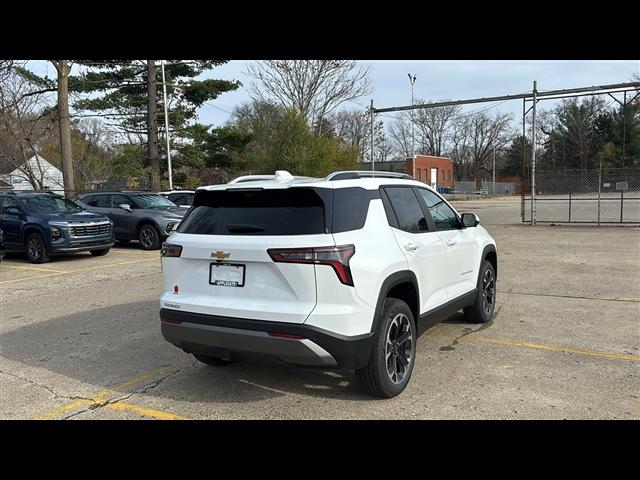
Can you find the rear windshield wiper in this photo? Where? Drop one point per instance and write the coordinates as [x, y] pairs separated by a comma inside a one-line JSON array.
[[242, 228]]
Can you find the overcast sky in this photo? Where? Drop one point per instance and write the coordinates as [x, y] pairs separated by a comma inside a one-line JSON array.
[[452, 80], [438, 80]]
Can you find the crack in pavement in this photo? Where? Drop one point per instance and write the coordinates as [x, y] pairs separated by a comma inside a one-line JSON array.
[[140, 390], [579, 297], [47, 388]]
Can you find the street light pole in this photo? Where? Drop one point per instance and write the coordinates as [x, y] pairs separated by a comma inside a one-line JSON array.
[[373, 161], [412, 79], [166, 126]]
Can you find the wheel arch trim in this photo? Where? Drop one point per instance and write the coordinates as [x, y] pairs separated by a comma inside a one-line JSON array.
[[485, 252], [393, 280]]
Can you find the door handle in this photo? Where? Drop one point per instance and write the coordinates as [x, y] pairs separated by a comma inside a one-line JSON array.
[[411, 246], [451, 243]]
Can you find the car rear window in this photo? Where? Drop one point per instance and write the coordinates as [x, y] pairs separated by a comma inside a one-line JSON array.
[[293, 211]]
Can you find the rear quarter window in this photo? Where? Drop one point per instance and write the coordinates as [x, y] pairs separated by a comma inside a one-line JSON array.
[[292, 211], [350, 208]]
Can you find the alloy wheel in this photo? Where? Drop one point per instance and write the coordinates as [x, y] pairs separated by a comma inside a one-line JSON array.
[[34, 248], [148, 237], [488, 292], [399, 348]]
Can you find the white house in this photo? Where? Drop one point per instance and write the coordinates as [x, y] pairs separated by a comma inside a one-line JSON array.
[[50, 176]]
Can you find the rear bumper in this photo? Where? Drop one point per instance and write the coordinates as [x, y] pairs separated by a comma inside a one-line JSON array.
[[227, 337]]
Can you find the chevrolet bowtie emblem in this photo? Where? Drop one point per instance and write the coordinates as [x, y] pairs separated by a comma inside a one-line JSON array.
[[220, 255]]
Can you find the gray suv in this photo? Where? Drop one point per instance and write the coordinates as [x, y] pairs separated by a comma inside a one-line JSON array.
[[143, 216]]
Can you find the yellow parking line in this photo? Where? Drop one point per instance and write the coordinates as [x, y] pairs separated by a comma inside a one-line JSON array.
[[538, 346], [101, 398], [4, 265], [147, 412], [68, 407], [137, 379], [128, 262]]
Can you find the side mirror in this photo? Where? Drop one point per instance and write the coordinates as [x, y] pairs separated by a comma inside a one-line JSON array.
[[125, 206], [470, 220], [13, 211]]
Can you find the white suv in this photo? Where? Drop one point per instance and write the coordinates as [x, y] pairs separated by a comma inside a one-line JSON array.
[[339, 272]]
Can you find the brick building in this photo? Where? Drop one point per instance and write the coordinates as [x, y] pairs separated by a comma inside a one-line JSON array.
[[426, 165], [434, 171]]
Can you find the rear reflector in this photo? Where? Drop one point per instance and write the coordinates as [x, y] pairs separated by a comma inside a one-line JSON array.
[[169, 320], [170, 250], [286, 335], [337, 257]]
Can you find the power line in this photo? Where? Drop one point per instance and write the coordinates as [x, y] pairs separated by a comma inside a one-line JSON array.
[[215, 106]]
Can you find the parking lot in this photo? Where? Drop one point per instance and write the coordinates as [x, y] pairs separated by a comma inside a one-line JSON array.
[[80, 338]]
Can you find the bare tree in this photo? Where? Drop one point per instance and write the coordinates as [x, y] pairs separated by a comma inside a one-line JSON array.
[[354, 128], [6, 67], [313, 87], [25, 120], [433, 126], [460, 148], [383, 145], [485, 132], [400, 131]]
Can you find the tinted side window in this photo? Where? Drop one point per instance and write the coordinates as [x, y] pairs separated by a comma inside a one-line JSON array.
[[443, 216], [8, 202], [117, 200], [178, 198], [407, 209], [101, 201], [350, 208]]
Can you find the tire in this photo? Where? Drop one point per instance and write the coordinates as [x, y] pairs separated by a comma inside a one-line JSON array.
[[36, 248], [101, 252], [213, 361], [482, 310], [387, 374], [149, 237]]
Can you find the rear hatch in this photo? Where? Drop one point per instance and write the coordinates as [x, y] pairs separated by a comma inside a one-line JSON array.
[[224, 267]]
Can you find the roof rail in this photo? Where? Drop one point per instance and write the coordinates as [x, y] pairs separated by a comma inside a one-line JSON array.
[[355, 174], [279, 175]]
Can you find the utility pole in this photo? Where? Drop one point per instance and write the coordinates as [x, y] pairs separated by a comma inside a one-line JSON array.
[[166, 126], [373, 166], [64, 125], [533, 156], [624, 129], [412, 79], [152, 125], [494, 170]]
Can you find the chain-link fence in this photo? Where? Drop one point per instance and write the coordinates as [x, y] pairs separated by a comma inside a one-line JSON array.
[[466, 187], [608, 195]]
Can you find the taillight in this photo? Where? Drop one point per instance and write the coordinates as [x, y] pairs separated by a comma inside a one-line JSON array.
[[337, 257], [170, 250]]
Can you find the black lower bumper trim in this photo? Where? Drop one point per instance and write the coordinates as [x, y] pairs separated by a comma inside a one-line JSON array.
[[349, 352], [82, 248]]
